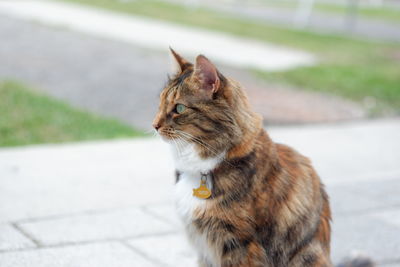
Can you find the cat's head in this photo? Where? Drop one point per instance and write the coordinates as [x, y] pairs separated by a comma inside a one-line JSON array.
[[200, 106]]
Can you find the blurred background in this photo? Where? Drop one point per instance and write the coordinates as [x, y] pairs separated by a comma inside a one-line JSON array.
[[83, 182]]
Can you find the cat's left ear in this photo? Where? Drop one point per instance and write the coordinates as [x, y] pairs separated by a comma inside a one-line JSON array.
[[180, 64], [207, 75]]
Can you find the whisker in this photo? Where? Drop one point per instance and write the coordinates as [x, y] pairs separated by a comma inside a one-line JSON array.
[[199, 141], [150, 131], [176, 146], [206, 146], [180, 145], [202, 143]]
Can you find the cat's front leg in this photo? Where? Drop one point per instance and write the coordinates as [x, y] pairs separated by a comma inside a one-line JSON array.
[[250, 254]]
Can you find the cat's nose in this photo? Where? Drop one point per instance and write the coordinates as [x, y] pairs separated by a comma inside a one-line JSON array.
[[156, 126], [157, 122]]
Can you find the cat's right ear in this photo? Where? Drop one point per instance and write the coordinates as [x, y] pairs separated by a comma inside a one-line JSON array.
[[179, 63]]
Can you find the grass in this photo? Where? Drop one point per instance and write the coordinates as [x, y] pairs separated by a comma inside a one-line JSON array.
[[373, 12], [30, 118], [352, 68], [385, 13]]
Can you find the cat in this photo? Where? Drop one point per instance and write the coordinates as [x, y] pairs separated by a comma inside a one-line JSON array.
[[267, 206]]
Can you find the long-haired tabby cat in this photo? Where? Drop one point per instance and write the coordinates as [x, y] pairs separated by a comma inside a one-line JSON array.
[[267, 206]]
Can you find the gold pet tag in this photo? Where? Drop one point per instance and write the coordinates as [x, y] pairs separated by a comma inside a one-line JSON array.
[[202, 192]]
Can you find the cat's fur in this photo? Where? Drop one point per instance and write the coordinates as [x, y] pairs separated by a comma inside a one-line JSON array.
[[268, 206]]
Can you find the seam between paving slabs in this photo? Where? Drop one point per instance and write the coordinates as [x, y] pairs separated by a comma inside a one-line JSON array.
[[148, 212], [162, 218], [144, 255], [76, 214], [27, 234], [93, 241], [68, 215]]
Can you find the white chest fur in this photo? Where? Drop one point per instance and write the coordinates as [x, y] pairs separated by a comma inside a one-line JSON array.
[[190, 166]]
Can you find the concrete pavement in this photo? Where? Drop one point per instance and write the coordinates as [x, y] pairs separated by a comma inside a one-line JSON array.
[[110, 203]]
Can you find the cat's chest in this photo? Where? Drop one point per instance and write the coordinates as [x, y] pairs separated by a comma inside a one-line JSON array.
[[186, 202], [191, 167], [189, 208]]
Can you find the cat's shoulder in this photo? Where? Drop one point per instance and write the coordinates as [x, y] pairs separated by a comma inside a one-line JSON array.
[[290, 156]]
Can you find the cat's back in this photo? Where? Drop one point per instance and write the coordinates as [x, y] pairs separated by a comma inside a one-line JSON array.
[[300, 206], [296, 164], [289, 157]]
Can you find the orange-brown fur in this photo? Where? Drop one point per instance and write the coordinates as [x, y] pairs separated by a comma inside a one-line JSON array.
[[268, 206]]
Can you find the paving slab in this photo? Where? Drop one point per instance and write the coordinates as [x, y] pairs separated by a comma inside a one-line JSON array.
[[368, 233], [347, 152], [165, 212], [171, 250], [11, 238], [340, 197], [118, 224], [87, 255], [50, 180], [386, 192], [391, 216]]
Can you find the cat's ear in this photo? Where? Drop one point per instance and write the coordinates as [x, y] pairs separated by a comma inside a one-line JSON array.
[[179, 63], [206, 73]]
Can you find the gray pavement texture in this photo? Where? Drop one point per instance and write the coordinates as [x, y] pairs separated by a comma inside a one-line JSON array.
[[119, 80], [110, 203], [326, 23]]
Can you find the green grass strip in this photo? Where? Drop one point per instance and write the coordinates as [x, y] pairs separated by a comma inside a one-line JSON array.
[[27, 117]]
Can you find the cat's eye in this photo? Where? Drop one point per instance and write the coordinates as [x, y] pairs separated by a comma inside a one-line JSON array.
[[180, 108]]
